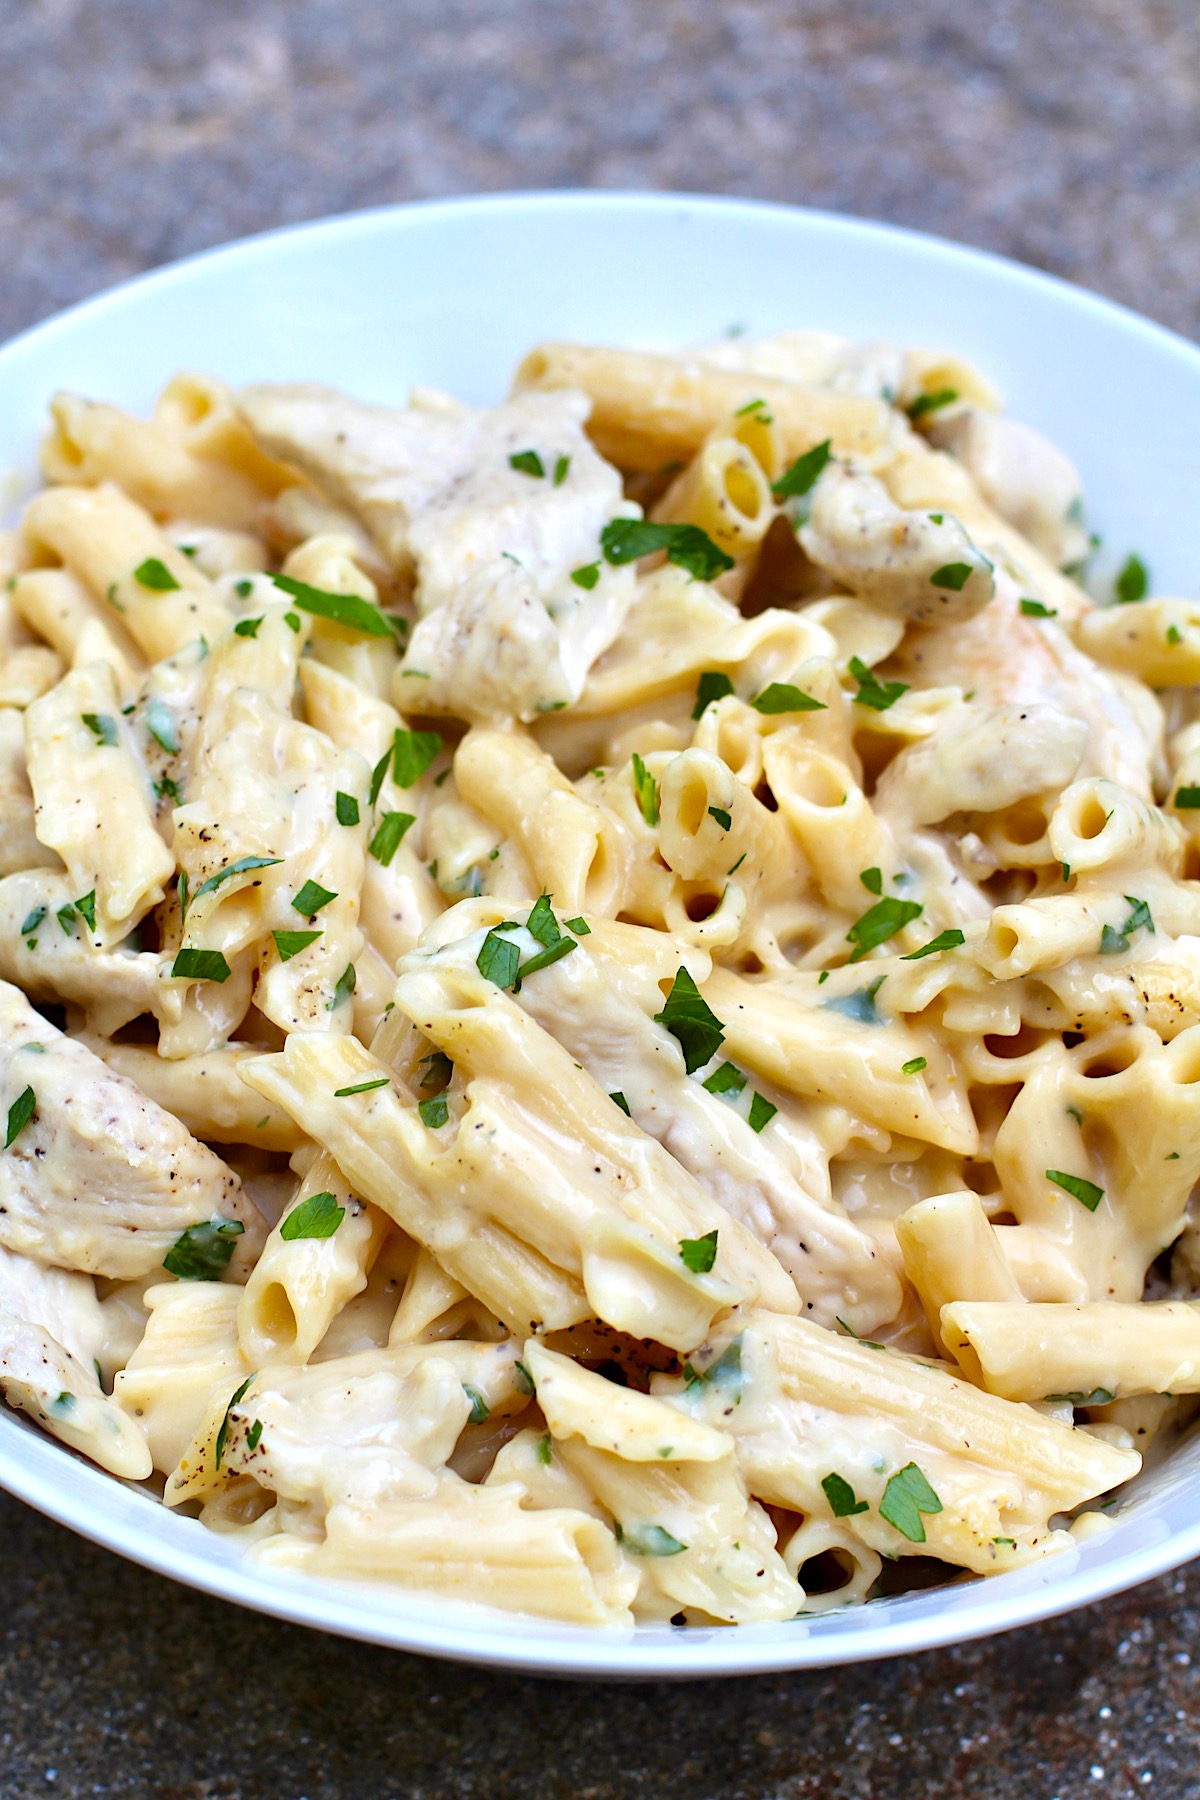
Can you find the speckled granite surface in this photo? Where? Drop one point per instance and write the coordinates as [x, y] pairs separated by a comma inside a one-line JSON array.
[[1063, 132]]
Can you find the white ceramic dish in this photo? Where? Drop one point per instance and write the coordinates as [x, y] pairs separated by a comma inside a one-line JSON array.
[[452, 294]]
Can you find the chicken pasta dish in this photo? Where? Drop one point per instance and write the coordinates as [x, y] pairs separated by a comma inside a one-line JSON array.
[[599, 997]]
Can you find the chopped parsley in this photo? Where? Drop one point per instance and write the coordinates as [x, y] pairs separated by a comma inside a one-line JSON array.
[[587, 576], [1174, 635], [248, 628], [878, 695], [1187, 799], [858, 1005], [955, 576], [527, 462], [497, 960], [1086, 1192], [945, 940], [243, 589], [648, 1540], [761, 1112], [646, 789], [712, 685], [243, 866], [522, 1379], [551, 954], [618, 1099], [545, 1449], [1098, 1397], [480, 1411], [927, 403], [803, 473], [561, 467], [1112, 943], [347, 808], [541, 923], [1033, 609], [724, 819], [291, 943], [388, 835], [166, 789], [348, 610], [580, 927], [202, 1252], [19, 1115], [725, 1372], [906, 1496], [725, 1079], [223, 1433], [881, 922], [311, 898], [155, 576], [1133, 582], [843, 1503], [437, 1067], [733, 869], [361, 1087], [344, 986], [691, 1022], [317, 1217], [160, 723], [85, 906], [32, 920], [782, 697], [103, 725], [915, 1066], [699, 1254], [200, 965], [254, 1434], [412, 753], [625, 540]]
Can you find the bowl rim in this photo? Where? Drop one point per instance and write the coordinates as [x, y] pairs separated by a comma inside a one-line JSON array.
[[646, 1652]]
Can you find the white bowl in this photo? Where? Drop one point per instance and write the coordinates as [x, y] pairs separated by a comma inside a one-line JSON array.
[[453, 294]]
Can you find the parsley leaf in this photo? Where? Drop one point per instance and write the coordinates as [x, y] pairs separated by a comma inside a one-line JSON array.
[[699, 1254], [361, 1087], [561, 468], [242, 867], [858, 1005], [348, 610], [200, 965], [803, 473], [1133, 582], [85, 906], [881, 922], [713, 685], [724, 819], [761, 1112], [103, 725], [587, 576], [252, 1436], [412, 753], [619, 1099], [437, 1067], [203, 1251], [648, 1540], [545, 1448], [317, 1217], [497, 960], [782, 697], [155, 576], [725, 1372], [843, 1503], [541, 923], [434, 1112], [19, 1115], [311, 898], [291, 943], [580, 927], [906, 1496], [915, 1066], [1033, 609], [160, 723], [646, 789], [955, 576], [344, 986], [223, 1433], [248, 627], [480, 1411], [945, 940], [551, 954], [872, 880], [691, 1022], [625, 540], [878, 695], [389, 835], [527, 462], [1187, 799], [522, 1379], [347, 808], [1086, 1192], [32, 920], [927, 403], [725, 1079]]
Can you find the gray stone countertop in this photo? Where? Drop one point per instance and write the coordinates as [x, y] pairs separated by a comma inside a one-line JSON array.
[[1062, 132]]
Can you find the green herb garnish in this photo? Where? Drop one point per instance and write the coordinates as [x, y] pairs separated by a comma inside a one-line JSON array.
[[317, 1217], [1086, 1192], [803, 473], [625, 540], [906, 1496], [388, 835], [203, 1251], [348, 610], [878, 695], [843, 1503], [200, 965], [691, 1022], [155, 575], [699, 1254]]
